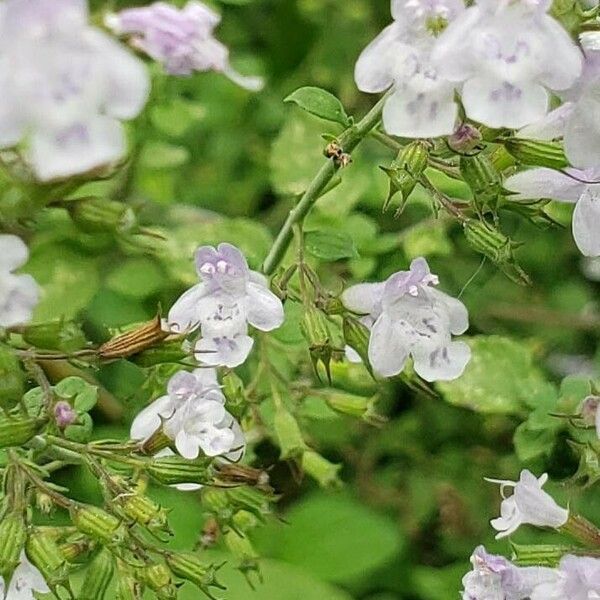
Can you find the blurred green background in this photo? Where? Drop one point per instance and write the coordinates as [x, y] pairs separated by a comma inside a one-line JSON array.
[[215, 163]]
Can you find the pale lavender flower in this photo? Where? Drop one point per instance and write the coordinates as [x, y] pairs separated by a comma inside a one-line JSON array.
[[507, 55], [182, 40], [422, 103], [578, 579], [19, 294], [193, 415], [581, 187], [65, 88], [409, 317], [229, 298], [25, 581], [495, 578], [529, 504], [64, 415]]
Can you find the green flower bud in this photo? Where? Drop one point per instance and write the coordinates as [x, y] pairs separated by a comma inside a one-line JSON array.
[[98, 576], [350, 404], [188, 566], [483, 179], [76, 551], [543, 555], [159, 579], [13, 533], [65, 336], [145, 511], [12, 379], [316, 332], [250, 499], [18, 431], [492, 243], [288, 434], [128, 586], [537, 153], [353, 378], [588, 472], [43, 552], [172, 470], [233, 389], [101, 215], [404, 172], [465, 139], [167, 352], [98, 524], [216, 501], [321, 470], [243, 550]]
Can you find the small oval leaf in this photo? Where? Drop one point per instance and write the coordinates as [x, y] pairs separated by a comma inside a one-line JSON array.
[[320, 103], [330, 245]]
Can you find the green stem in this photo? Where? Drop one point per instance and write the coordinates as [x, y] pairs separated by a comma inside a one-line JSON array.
[[348, 141]]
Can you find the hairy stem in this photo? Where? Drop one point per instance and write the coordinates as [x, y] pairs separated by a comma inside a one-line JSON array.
[[348, 141]]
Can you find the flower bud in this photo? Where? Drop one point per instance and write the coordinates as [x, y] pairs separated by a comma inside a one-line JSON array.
[[64, 336], [145, 511], [43, 552], [537, 153], [98, 576], [12, 379], [13, 534], [159, 579], [589, 410], [98, 524], [404, 172], [351, 377], [465, 139], [491, 242], [483, 179], [316, 332], [241, 547], [173, 470], [128, 586], [233, 389], [77, 550], [101, 215], [321, 470], [134, 341], [588, 471], [543, 555], [350, 404], [188, 566], [18, 431], [216, 501], [288, 434], [64, 415], [251, 499], [167, 352]]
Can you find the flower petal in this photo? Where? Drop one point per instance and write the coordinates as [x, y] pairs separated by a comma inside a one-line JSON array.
[[550, 127], [187, 445], [13, 252], [224, 351], [586, 222], [387, 349], [184, 314], [457, 311], [364, 298], [264, 309], [19, 295], [149, 419], [441, 363], [582, 134], [544, 183]]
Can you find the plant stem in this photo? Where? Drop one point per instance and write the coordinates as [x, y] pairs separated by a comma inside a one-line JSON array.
[[348, 141]]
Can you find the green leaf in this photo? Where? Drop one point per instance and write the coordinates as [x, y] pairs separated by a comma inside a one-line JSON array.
[[531, 444], [160, 155], [83, 395], [82, 431], [138, 278], [500, 378], [334, 538], [320, 103], [330, 245], [34, 400]]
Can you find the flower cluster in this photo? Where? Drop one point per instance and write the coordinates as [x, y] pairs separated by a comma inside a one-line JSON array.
[[66, 87], [407, 316], [502, 57], [24, 582], [229, 298], [182, 40], [193, 415], [18, 293]]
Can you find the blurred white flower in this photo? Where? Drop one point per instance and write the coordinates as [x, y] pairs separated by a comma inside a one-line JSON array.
[[409, 317], [422, 103], [19, 294], [65, 87], [25, 581], [193, 415], [182, 40], [495, 578], [578, 578], [529, 504], [507, 55], [229, 298], [580, 187]]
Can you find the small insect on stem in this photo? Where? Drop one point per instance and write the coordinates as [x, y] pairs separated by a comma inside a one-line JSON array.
[[335, 152]]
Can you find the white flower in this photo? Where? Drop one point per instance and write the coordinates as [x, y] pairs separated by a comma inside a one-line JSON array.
[[19, 294], [193, 415], [229, 298], [495, 578], [507, 54], [571, 185], [529, 504], [65, 87], [410, 317], [25, 581], [578, 579], [181, 39], [422, 103], [577, 119]]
